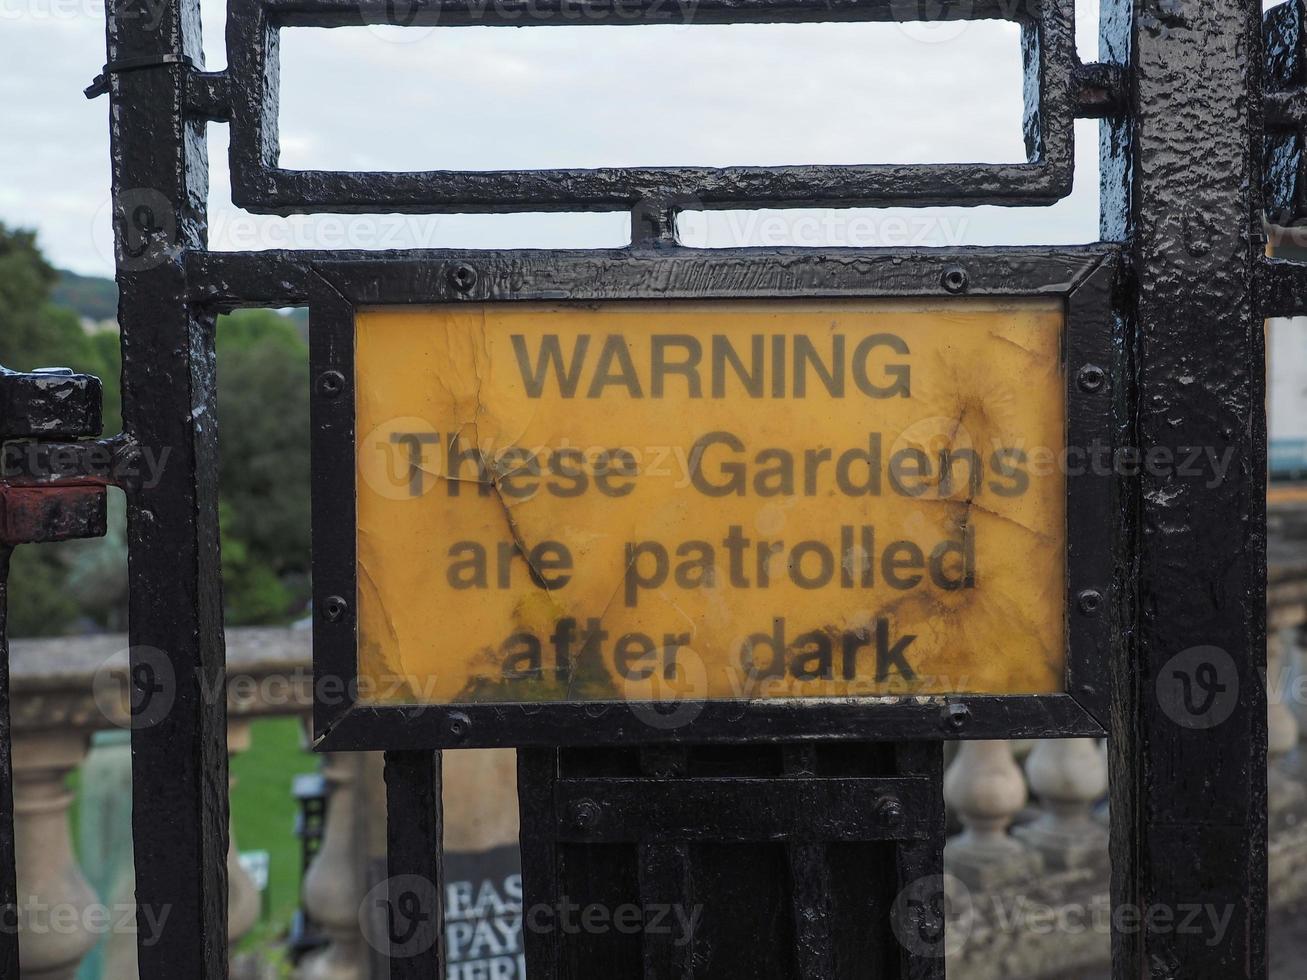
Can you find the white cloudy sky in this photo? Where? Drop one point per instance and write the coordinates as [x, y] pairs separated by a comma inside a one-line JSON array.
[[483, 98]]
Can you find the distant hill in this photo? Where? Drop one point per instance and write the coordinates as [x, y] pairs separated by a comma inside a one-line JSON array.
[[90, 297], [96, 298]]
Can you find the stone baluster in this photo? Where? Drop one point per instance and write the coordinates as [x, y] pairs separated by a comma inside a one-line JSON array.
[[57, 926], [243, 899], [1295, 679], [985, 788], [332, 890], [1283, 792], [1069, 776]]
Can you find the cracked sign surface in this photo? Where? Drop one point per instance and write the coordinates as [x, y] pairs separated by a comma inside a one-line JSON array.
[[723, 500]]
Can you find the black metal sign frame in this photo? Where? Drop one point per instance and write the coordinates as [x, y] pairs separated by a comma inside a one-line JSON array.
[[1082, 278]]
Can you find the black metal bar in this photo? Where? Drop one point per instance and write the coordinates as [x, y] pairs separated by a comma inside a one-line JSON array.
[[8, 869], [810, 884], [1282, 288], [1099, 90], [664, 877], [1284, 173], [227, 280], [742, 809], [1097, 390], [921, 862], [208, 95], [1189, 774], [179, 750], [370, 727], [513, 13], [414, 848], [259, 184], [537, 771]]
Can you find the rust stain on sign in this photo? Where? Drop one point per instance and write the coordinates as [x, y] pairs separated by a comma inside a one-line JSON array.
[[722, 500]]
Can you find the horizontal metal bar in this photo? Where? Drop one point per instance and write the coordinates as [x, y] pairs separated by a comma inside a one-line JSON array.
[[208, 95], [519, 13], [366, 727], [100, 462], [1100, 90], [1281, 287], [260, 185], [728, 810], [227, 280], [31, 515], [618, 188]]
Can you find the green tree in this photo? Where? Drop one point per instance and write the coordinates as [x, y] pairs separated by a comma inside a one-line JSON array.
[[35, 333], [263, 428], [263, 441]]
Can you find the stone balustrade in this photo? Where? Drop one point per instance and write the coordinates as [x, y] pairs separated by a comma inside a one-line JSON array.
[[63, 692], [1032, 848]]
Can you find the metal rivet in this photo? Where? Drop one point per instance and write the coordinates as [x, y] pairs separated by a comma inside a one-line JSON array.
[[955, 279], [585, 814], [459, 724], [956, 716], [1090, 601], [330, 384], [463, 277], [890, 809], [1091, 377], [333, 607]]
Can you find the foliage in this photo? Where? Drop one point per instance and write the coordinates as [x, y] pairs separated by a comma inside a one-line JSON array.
[[263, 438], [92, 297], [263, 442]]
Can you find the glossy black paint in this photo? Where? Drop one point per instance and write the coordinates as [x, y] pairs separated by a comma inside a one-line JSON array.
[[1183, 285], [1053, 99], [1189, 802], [179, 756], [38, 405]]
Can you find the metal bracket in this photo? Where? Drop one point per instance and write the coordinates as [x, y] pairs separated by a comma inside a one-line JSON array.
[[42, 405], [100, 84]]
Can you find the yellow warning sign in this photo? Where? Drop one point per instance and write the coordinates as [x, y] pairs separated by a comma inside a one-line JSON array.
[[722, 500]]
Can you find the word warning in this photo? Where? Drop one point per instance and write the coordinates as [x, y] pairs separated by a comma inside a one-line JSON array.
[[716, 500]]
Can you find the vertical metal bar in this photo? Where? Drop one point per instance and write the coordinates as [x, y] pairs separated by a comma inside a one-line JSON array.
[[414, 849], [179, 755], [1189, 729], [810, 885], [664, 879], [923, 860], [537, 771], [8, 870]]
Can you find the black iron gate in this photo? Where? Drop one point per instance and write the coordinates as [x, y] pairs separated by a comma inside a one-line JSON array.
[[799, 843]]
